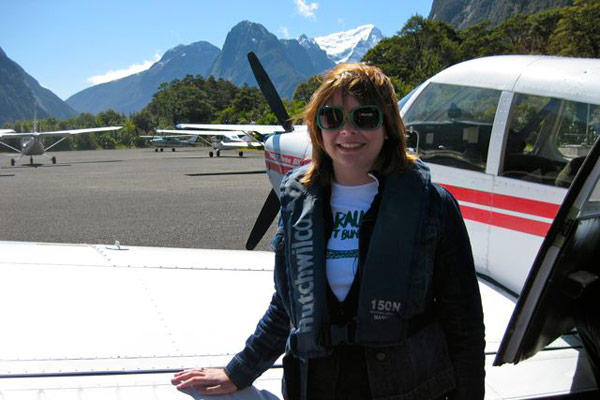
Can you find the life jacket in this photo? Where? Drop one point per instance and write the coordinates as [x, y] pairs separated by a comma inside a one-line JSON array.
[[388, 292]]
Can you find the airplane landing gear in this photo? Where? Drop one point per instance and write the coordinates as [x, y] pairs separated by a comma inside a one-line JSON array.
[[173, 149], [218, 153], [31, 160], [53, 160], [12, 162], [161, 149], [241, 153], [210, 154], [156, 150]]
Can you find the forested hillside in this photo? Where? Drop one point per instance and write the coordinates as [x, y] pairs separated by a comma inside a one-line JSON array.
[[20, 94], [424, 47], [464, 13]]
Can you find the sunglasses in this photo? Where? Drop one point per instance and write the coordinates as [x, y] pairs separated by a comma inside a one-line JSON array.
[[366, 118]]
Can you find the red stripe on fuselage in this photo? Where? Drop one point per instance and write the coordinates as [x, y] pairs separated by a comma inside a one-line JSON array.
[[511, 203], [506, 221]]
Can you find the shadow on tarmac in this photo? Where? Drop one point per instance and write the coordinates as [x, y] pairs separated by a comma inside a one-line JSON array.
[[228, 173]]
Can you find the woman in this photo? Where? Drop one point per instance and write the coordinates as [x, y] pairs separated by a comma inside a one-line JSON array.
[[376, 294]]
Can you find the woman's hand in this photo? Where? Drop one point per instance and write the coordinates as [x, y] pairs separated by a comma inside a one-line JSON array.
[[206, 381]]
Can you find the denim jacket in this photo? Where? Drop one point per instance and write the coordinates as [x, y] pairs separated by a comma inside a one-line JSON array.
[[419, 262]]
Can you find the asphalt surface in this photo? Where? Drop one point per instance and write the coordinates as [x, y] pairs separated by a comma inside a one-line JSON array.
[[136, 196]]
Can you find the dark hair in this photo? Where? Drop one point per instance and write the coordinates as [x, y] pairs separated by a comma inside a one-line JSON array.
[[370, 86]]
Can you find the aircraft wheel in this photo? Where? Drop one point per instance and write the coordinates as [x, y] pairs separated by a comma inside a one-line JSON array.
[[173, 149], [210, 154], [53, 160], [161, 149], [30, 160], [218, 153], [12, 162], [241, 153], [156, 150]]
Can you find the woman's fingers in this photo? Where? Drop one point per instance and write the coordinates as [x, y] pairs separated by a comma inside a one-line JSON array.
[[204, 380]]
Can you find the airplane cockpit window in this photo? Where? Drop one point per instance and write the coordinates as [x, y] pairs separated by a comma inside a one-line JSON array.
[[451, 125], [548, 139]]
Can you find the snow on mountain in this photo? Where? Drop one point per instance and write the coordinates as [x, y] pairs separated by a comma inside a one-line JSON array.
[[349, 46]]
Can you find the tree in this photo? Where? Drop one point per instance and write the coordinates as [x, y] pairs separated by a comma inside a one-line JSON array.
[[305, 89], [577, 33]]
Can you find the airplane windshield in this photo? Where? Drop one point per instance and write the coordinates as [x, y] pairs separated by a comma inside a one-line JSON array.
[[451, 125]]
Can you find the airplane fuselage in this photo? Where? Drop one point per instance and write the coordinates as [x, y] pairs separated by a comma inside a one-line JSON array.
[[32, 146], [508, 169]]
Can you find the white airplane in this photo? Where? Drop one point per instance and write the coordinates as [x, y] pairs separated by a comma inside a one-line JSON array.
[[160, 142], [32, 143], [240, 139], [111, 323]]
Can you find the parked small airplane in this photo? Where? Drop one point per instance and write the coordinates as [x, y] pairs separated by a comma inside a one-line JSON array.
[[505, 134], [218, 140], [164, 141], [32, 143]]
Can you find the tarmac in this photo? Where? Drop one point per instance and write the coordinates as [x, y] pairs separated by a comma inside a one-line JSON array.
[[136, 196]]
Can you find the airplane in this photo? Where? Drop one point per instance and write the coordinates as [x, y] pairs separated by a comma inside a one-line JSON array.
[[109, 325], [32, 143], [219, 139], [7, 130], [164, 141], [506, 135]]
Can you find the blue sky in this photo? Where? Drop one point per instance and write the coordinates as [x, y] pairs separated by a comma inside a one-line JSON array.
[[68, 45]]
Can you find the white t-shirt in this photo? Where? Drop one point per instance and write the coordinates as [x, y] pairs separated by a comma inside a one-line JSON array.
[[348, 206]]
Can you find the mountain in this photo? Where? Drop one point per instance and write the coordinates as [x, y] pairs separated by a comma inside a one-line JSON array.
[[464, 13], [19, 92], [286, 63], [349, 46], [319, 58], [134, 92]]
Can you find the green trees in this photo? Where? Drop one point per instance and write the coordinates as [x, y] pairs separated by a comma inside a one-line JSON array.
[[577, 33], [424, 47]]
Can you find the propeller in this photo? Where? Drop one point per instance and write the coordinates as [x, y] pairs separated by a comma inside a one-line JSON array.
[[269, 91], [271, 205], [266, 216]]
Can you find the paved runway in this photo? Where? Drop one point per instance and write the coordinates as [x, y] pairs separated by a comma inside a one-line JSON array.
[[136, 196]]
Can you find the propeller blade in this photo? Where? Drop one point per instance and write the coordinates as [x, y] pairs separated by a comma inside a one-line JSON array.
[[270, 93], [266, 216]]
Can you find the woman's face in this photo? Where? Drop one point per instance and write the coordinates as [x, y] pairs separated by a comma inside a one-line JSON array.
[[352, 150]]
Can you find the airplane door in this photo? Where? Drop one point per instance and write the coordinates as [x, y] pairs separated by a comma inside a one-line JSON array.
[[562, 289], [543, 146]]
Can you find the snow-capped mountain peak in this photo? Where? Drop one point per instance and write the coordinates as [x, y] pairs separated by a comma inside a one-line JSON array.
[[351, 45]]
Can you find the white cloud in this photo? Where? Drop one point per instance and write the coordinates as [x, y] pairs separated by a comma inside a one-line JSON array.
[[306, 9], [285, 32], [121, 73]]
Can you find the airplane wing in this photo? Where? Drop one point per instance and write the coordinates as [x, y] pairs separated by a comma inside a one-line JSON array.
[[62, 133], [6, 131], [262, 129], [115, 322], [192, 132]]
